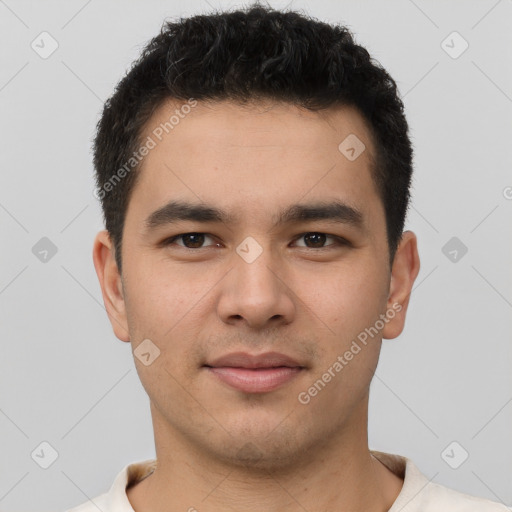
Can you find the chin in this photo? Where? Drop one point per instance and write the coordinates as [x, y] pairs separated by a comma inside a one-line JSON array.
[[258, 457], [265, 450]]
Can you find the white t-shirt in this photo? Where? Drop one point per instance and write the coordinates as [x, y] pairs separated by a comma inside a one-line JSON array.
[[418, 494]]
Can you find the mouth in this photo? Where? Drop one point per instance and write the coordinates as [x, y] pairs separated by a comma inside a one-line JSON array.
[[254, 373]]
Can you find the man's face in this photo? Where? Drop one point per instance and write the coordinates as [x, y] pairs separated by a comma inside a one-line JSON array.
[[305, 288]]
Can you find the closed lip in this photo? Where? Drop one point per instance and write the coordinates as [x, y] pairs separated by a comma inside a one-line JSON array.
[[251, 361]]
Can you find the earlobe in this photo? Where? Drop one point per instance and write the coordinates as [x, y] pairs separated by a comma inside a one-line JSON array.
[[406, 266], [111, 284]]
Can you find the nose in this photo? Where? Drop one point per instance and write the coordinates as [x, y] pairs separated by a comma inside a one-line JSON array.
[[257, 293]]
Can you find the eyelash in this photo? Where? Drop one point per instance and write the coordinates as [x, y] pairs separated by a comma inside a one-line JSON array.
[[339, 241]]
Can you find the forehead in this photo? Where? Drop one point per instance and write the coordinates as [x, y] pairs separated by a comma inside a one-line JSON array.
[[255, 157], [251, 123]]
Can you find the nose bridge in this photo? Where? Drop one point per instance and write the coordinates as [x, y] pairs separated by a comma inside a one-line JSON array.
[[254, 266], [256, 291]]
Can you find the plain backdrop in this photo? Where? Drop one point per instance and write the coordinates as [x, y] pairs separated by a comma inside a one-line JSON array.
[[67, 381]]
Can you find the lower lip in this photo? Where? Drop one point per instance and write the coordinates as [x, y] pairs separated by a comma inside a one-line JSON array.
[[255, 380]]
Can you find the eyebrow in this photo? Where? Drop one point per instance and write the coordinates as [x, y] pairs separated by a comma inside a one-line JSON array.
[[334, 211]]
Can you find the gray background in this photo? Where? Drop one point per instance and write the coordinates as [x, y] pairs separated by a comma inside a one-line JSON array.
[[65, 378]]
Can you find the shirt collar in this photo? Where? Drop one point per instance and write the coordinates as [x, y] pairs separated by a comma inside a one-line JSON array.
[[404, 468]]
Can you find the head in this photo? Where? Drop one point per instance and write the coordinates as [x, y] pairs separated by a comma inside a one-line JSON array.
[[242, 56], [284, 150]]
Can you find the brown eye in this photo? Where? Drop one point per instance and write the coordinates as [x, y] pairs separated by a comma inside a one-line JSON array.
[[315, 240], [189, 240]]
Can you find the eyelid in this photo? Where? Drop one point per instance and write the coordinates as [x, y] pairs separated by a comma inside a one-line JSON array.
[[338, 240], [172, 239]]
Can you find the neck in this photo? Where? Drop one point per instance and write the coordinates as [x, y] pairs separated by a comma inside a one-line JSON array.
[[338, 474]]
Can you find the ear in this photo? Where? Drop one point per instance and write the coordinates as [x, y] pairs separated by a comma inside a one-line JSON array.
[[111, 285], [406, 266]]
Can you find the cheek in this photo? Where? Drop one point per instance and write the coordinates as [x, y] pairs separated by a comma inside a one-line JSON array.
[[349, 305], [167, 308], [156, 299], [347, 298]]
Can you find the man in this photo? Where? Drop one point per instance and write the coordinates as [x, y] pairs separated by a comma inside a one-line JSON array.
[[254, 171]]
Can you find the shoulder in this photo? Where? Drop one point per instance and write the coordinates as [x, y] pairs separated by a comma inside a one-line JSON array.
[[116, 498], [436, 496], [420, 494]]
